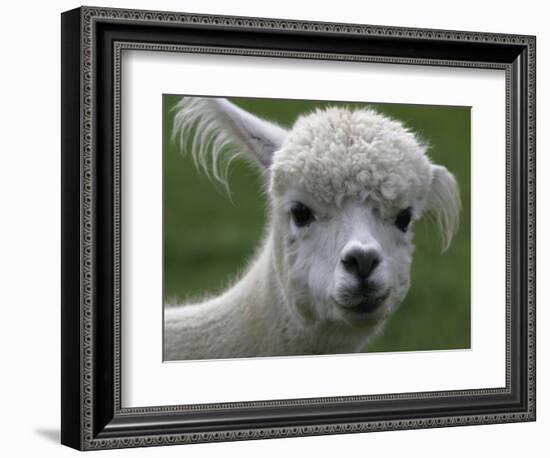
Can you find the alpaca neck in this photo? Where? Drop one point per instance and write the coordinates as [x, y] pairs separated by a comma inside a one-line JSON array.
[[253, 318], [261, 301]]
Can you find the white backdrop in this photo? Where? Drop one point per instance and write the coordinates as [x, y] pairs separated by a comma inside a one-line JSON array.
[[29, 242]]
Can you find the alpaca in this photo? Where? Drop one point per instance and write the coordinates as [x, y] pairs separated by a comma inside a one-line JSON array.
[[345, 187]]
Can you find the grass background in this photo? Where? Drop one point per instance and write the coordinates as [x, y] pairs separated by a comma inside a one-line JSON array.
[[209, 237]]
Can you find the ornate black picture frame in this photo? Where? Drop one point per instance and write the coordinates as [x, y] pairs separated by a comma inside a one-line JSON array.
[[92, 42]]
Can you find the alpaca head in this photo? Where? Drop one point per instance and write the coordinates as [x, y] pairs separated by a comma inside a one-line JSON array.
[[345, 188]]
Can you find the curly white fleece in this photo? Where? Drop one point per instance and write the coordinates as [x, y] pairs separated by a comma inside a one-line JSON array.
[[338, 153]]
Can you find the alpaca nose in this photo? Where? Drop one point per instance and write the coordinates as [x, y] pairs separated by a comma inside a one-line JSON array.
[[360, 261]]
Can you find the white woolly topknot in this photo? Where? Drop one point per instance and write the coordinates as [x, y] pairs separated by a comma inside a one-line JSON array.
[[337, 153]]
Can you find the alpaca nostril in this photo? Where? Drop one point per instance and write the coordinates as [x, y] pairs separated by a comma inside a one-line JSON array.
[[361, 262]]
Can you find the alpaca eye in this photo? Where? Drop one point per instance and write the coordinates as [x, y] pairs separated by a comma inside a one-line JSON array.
[[403, 220], [301, 215]]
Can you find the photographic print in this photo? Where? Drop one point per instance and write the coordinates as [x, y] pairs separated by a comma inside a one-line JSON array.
[[304, 227]]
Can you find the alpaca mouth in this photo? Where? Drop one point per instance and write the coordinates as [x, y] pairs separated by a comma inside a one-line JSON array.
[[365, 303], [367, 306]]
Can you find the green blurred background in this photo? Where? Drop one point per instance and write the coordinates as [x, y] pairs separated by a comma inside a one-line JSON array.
[[209, 237]]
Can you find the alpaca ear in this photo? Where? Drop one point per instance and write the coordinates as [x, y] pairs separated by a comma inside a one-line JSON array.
[[444, 203], [223, 131]]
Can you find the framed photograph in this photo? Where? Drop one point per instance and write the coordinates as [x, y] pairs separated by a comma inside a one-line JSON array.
[[276, 228]]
